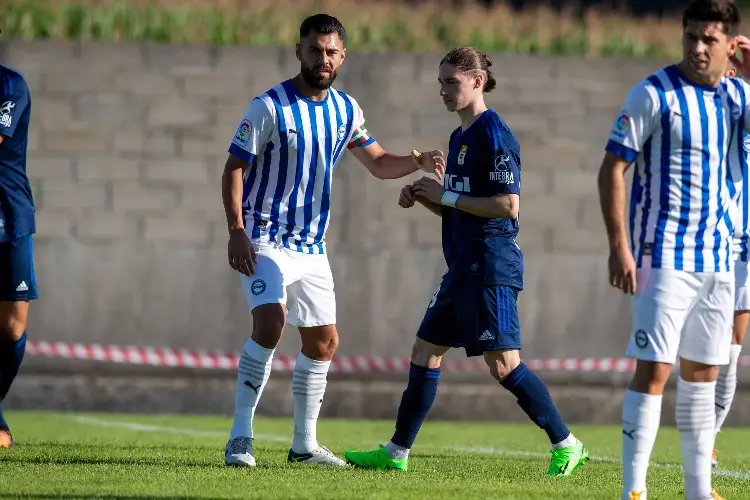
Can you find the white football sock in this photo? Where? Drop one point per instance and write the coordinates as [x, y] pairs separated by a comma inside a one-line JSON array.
[[695, 419], [568, 441], [397, 452], [308, 387], [641, 416], [253, 372], [726, 386]]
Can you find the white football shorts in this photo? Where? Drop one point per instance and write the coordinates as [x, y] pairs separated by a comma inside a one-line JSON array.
[[741, 286], [307, 276], [682, 314]]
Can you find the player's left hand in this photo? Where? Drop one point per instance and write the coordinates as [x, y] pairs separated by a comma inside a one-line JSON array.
[[428, 188], [432, 162], [743, 66]]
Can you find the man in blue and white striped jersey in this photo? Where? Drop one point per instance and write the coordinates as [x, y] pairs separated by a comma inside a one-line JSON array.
[[276, 192], [677, 127]]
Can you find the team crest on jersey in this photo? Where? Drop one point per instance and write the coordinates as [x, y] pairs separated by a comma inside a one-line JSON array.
[[746, 144], [462, 154], [502, 173], [341, 132], [6, 117], [622, 126], [242, 136]]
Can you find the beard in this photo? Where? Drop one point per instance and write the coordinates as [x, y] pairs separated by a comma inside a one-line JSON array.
[[316, 81]]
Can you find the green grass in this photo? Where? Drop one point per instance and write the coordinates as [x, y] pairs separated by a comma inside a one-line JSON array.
[[69, 455], [380, 26]]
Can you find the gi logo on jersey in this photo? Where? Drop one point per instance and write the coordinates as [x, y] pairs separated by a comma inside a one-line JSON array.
[[502, 173], [242, 136], [6, 118], [462, 155], [622, 126]]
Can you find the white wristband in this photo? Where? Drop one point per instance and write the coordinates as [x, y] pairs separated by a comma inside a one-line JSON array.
[[449, 199]]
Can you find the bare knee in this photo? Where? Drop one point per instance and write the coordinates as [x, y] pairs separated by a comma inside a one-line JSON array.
[[13, 317], [501, 363], [741, 320], [426, 354], [319, 342], [692, 371], [268, 324], [650, 377]]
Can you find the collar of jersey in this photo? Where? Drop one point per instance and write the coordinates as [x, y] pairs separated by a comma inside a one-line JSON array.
[[680, 76], [290, 87]]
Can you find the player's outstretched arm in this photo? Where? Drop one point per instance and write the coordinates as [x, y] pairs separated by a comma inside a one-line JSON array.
[[385, 165]]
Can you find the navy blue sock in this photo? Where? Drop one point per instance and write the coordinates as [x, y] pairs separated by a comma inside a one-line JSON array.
[[415, 404], [535, 400], [11, 355]]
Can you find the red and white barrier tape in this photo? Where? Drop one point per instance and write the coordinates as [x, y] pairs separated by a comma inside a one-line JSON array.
[[195, 358]]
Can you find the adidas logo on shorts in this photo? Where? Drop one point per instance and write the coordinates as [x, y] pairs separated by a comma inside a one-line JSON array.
[[22, 287]]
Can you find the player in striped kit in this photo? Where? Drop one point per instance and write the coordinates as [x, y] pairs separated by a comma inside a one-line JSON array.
[[677, 126], [276, 192], [737, 172]]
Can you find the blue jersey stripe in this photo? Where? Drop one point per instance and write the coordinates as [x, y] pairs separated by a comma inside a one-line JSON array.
[[743, 162], [278, 194], [339, 122], [293, 202], [663, 209], [721, 178], [325, 202], [311, 174], [705, 188], [350, 120], [258, 209], [645, 195], [686, 147]]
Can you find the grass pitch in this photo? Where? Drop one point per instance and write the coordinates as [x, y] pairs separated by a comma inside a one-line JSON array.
[[85, 456]]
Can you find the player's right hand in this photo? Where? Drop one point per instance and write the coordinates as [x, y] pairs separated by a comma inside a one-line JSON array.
[[407, 198], [241, 252], [622, 270]]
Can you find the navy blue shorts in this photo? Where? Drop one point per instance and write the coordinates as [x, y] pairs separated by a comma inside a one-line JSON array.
[[17, 279], [475, 316]]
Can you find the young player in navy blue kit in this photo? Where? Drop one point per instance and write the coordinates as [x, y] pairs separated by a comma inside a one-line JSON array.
[[17, 225], [475, 305]]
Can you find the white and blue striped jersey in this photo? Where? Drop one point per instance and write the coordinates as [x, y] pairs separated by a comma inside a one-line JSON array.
[[679, 134], [739, 185], [292, 144]]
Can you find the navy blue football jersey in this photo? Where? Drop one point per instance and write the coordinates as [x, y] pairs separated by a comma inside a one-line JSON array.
[[483, 161], [16, 202]]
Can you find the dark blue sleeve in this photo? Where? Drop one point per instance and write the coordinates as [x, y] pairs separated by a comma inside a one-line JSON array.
[[503, 162], [14, 99]]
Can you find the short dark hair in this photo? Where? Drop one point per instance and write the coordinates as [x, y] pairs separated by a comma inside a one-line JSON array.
[[471, 60], [717, 11], [323, 24]]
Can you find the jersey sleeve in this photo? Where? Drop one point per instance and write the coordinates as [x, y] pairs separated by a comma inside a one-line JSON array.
[[253, 132], [14, 99], [504, 165], [635, 124], [360, 137]]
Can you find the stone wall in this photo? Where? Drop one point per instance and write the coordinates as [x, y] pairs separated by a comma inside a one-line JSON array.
[[126, 151]]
